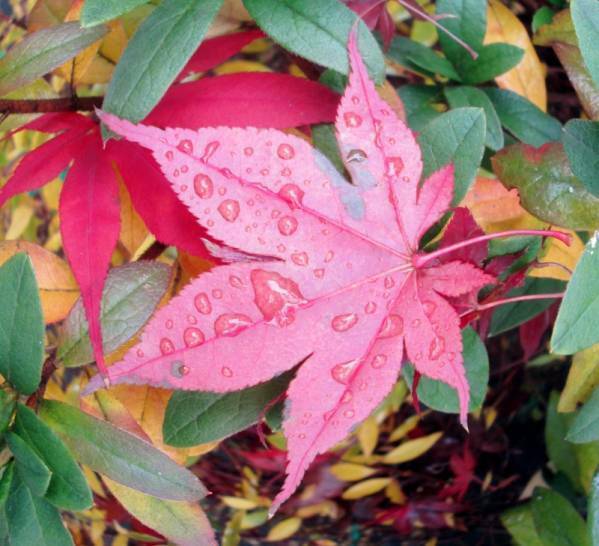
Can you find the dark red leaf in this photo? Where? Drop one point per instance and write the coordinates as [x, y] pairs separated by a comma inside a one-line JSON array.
[[531, 332], [251, 98], [461, 228]]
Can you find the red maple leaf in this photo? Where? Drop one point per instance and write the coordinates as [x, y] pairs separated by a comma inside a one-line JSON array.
[[346, 288]]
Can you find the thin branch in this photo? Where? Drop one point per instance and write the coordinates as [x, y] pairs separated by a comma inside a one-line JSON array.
[[43, 106]]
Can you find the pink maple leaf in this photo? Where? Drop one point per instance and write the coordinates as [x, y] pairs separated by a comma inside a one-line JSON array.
[[345, 289]]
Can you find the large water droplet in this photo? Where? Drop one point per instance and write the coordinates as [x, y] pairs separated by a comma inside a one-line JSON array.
[[342, 372], [229, 209], [299, 258], [287, 225], [185, 146], [202, 184], [436, 348], [393, 166], [356, 156], [285, 151], [379, 361], [193, 337], [166, 346], [342, 323], [202, 303], [393, 326], [230, 324], [178, 369], [292, 194], [209, 150], [352, 119], [276, 296]]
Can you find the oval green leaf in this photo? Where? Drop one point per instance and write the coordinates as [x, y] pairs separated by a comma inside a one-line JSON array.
[[585, 14], [585, 426], [100, 11], [581, 142], [30, 466]]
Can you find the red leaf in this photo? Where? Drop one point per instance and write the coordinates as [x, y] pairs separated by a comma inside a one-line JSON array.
[[251, 98], [90, 222], [462, 227], [43, 164], [215, 51], [165, 216], [531, 332]]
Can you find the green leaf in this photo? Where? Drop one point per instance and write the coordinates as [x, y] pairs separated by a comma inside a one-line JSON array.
[[418, 102], [119, 455], [131, 294], [194, 418], [323, 136], [31, 468], [581, 142], [183, 523], [493, 60], [546, 185], [31, 521], [511, 315], [522, 118], [317, 30], [585, 426], [100, 11], [420, 58], [67, 488], [543, 16], [556, 521], [459, 97], [42, 51], [576, 324], [593, 510], [521, 526], [156, 54], [468, 22], [21, 325], [585, 14], [441, 397], [7, 406], [456, 136]]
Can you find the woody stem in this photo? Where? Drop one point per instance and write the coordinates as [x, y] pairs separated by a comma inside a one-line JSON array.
[[421, 259], [490, 305]]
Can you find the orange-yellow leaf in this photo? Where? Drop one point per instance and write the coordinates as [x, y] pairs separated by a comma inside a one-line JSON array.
[[133, 229], [528, 77], [365, 488], [368, 435], [412, 449], [285, 529], [407, 426], [556, 252]]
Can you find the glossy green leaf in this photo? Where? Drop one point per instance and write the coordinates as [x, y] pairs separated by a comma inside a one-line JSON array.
[[119, 455], [585, 426], [323, 136], [100, 11], [593, 510], [576, 324], [556, 520], [521, 526], [7, 406], [581, 142], [441, 397], [42, 51], [420, 58], [21, 325], [156, 54], [493, 60], [317, 30], [468, 21], [522, 118], [456, 136], [194, 418], [30, 466], [131, 294], [511, 315], [31, 520], [546, 185], [183, 523], [459, 97], [543, 16], [67, 488], [585, 14], [418, 103]]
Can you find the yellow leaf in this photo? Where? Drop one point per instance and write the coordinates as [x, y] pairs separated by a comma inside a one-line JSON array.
[[527, 78], [325, 508], [394, 493], [412, 449], [556, 252], [582, 379], [351, 472], [251, 520], [405, 428], [368, 435], [285, 529], [239, 503], [133, 230], [19, 220], [239, 65], [58, 288], [51, 194], [365, 488]]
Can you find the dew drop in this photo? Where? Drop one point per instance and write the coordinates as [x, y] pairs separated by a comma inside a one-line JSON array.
[[276, 297], [226, 372], [301, 436], [347, 397], [176, 173], [370, 308], [355, 99], [450, 356], [299, 258], [389, 282], [436, 348], [184, 168], [285, 151], [328, 256], [222, 191], [319, 273], [292, 194], [275, 214], [362, 386], [429, 308], [168, 324], [393, 166], [235, 281], [229, 209], [202, 184], [352, 119], [264, 172], [416, 323], [393, 326], [193, 337], [185, 146], [140, 353], [281, 248], [217, 293], [209, 150], [231, 324], [192, 319], [379, 361], [202, 303], [342, 323], [349, 413], [287, 225], [169, 155], [248, 151], [418, 356], [166, 346], [342, 372], [356, 156], [178, 369]]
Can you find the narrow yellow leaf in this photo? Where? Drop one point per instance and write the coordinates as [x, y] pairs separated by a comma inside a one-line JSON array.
[[405, 428], [19, 220], [368, 435], [251, 520], [285, 529], [412, 449], [527, 78], [239, 503], [394, 493], [351, 472], [365, 488], [582, 379]]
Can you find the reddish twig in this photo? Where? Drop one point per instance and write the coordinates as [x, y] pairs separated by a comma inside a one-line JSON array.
[[43, 106]]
